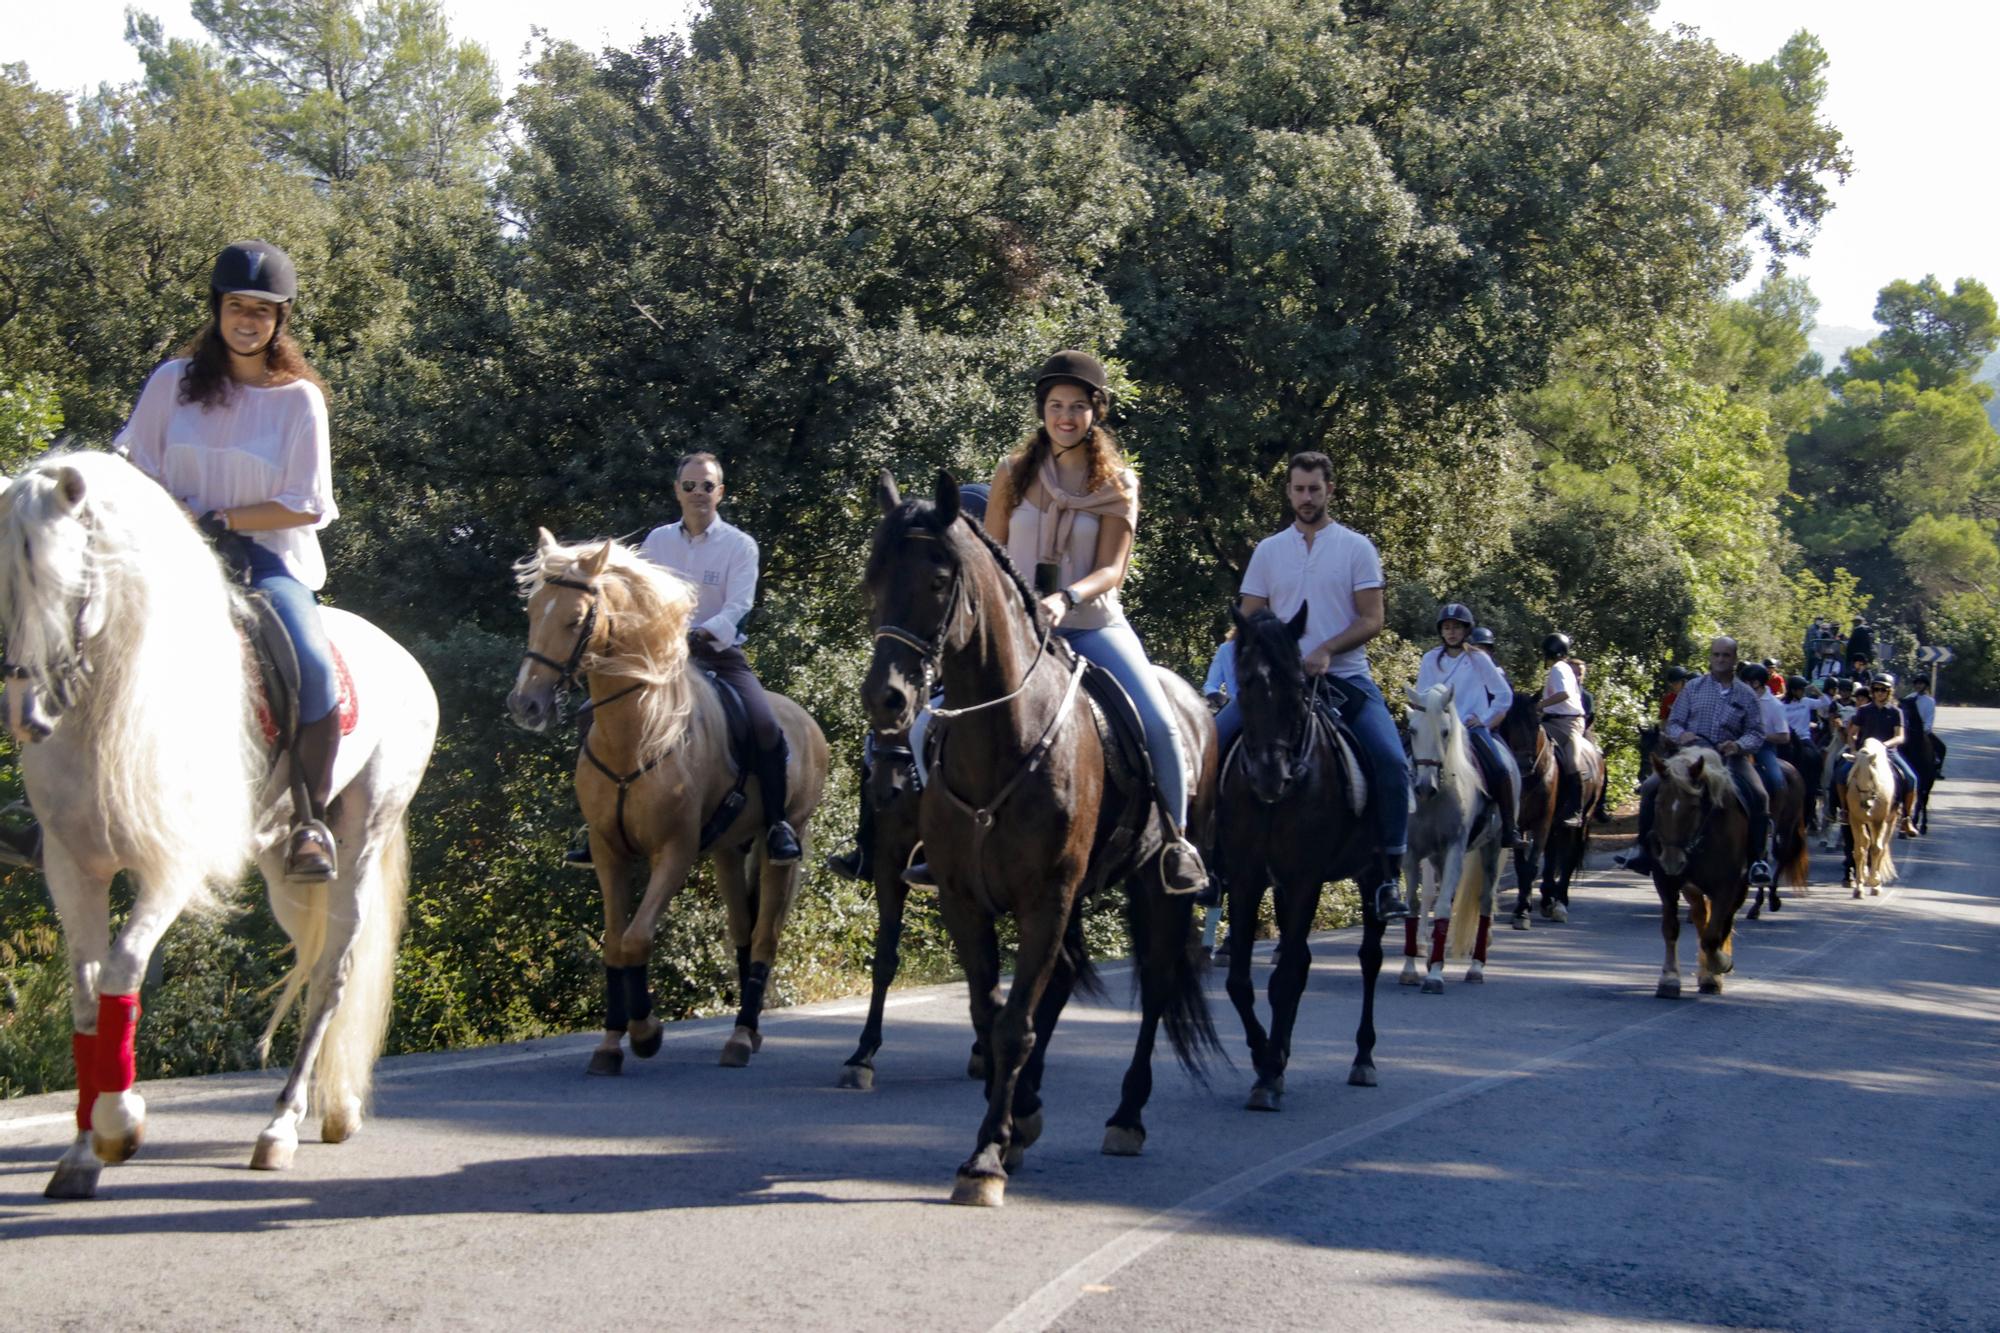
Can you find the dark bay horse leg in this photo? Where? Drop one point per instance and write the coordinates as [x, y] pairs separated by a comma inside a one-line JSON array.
[[1246, 894], [1363, 1073], [891, 898], [1170, 993], [1527, 861], [1028, 1088], [1670, 930], [1296, 910]]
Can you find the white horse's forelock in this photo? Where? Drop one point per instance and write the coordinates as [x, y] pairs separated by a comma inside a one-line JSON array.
[[170, 755], [1437, 732]]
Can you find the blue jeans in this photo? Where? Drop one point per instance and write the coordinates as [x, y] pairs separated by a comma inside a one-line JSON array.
[[1116, 648], [1906, 776], [1767, 769], [1382, 751], [298, 607]]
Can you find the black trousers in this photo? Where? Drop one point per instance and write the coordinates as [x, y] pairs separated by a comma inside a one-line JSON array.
[[730, 665]]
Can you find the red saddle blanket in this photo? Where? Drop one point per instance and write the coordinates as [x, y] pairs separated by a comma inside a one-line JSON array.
[[348, 704]]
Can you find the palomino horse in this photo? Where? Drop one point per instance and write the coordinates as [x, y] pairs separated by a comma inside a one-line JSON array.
[[1701, 852], [1535, 757], [143, 752], [1869, 798], [1291, 817], [654, 773], [1025, 813], [1455, 837]]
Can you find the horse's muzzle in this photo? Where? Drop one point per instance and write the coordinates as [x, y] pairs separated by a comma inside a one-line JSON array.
[[532, 708], [27, 720]]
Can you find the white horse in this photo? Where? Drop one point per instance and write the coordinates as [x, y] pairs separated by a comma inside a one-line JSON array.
[[1454, 815], [130, 694]]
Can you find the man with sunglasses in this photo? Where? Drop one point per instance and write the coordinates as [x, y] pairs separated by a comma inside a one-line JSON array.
[[720, 560]]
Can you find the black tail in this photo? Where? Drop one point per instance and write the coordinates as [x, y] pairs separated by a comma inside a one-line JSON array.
[[1151, 913], [1088, 981]]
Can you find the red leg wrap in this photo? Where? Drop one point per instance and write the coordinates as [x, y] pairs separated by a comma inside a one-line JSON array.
[[1410, 934], [1438, 930], [117, 1042], [1485, 933], [83, 1047]]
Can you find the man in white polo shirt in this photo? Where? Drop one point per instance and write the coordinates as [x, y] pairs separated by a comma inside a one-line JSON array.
[[1337, 574], [720, 559]]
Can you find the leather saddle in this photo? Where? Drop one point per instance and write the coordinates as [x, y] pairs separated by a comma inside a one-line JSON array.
[[273, 665], [1126, 831], [742, 749]]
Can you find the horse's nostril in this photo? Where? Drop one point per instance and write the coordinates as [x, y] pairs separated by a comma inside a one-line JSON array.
[[893, 700]]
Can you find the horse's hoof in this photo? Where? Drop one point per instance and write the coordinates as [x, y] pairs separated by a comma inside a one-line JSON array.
[[979, 1191], [1433, 986], [857, 1078], [73, 1180], [342, 1122], [1521, 921], [649, 1046], [1710, 986], [1752, 914], [273, 1154], [1547, 909], [117, 1126], [1410, 978], [975, 1067], [742, 1044], [1559, 913], [1123, 1141], [1777, 904], [1264, 1097], [1857, 890], [1361, 1076], [605, 1063], [1475, 975], [1667, 990], [1874, 890]]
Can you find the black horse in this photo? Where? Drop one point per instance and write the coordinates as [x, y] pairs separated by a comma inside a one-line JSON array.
[[1925, 750], [1285, 819]]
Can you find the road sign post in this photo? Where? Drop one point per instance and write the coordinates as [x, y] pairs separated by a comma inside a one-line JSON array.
[[1935, 656]]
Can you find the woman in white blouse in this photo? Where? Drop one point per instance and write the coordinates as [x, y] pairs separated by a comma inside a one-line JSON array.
[[1480, 692], [235, 428]]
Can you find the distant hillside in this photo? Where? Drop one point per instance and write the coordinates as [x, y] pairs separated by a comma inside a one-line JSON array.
[[1830, 340], [1990, 374]]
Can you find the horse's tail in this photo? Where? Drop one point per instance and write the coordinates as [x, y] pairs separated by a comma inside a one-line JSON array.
[[354, 1036], [1465, 905], [1086, 980], [1796, 869], [1169, 917]]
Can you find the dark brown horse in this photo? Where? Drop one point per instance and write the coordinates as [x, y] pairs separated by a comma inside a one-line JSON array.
[[1026, 813], [1535, 756], [1701, 852], [1287, 820], [1924, 750], [1790, 845]]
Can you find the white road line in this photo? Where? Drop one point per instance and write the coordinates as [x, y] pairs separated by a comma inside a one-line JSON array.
[[1055, 1298]]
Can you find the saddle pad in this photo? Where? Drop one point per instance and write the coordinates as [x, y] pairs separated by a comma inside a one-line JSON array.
[[347, 704], [1127, 730]]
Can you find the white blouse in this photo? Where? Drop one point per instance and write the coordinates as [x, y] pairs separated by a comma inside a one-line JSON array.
[[1477, 685], [259, 444], [1024, 543]]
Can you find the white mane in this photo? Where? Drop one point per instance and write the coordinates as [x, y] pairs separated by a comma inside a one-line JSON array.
[[1437, 733], [1714, 779], [161, 740]]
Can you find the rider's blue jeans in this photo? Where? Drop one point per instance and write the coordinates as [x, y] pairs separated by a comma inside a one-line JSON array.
[[298, 607], [1388, 766], [1117, 649], [1906, 776], [1767, 769]]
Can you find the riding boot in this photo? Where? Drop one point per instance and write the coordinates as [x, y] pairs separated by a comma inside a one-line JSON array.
[[781, 843], [1181, 870], [1569, 793], [918, 873], [311, 853], [1509, 810], [859, 863], [578, 854], [1760, 845], [1389, 905], [1640, 860]]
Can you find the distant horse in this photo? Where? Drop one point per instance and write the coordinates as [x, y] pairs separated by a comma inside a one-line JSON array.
[[1924, 750], [1790, 844], [1454, 836], [1293, 815], [143, 751], [1535, 756], [1701, 852], [1869, 796], [1027, 811], [656, 777]]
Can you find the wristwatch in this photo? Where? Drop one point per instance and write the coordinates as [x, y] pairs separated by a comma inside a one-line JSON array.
[[1069, 595]]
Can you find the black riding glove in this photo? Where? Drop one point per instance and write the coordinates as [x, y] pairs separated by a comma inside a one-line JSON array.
[[213, 525]]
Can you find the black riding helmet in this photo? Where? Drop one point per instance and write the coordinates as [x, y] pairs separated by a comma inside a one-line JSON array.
[[1556, 645], [1075, 368], [972, 499], [255, 268], [1481, 637], [1458, 611], [1756, 673], [1795, 682], [1676, 674]]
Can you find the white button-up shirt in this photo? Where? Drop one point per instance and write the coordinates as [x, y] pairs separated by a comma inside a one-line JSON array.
[[1285, 571], [721, 563], [1477, 685]]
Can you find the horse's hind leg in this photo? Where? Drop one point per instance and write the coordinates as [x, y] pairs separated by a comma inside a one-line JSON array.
[[891, 898]]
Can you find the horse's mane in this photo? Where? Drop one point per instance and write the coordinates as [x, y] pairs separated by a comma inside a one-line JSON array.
[[172, 758], [650, 626], [1714, 780], [1872, 763]]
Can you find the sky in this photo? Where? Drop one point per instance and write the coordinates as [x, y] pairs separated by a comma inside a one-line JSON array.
[[1909, 88]]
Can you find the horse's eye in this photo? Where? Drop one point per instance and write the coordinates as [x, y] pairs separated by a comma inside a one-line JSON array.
[[939, 580]]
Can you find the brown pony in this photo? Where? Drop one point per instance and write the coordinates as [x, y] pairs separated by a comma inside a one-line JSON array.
[[656, 769], [1535, 756], [1026, 814], [1701, 851], [1790, 846]]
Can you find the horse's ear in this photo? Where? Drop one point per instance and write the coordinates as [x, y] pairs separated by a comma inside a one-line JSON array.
[[1695, 768], [886, 494], [545, 541], [593, 562], [947, 498], [1446, 687], [69, 483], [1416, 700], [1239, 620], [1297, 624]]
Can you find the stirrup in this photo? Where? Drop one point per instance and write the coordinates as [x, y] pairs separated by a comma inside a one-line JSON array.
[[918, 875], [1760, 872], [1181, 870], [781, 844], [1389, 905], [577, 854], [304, 860]]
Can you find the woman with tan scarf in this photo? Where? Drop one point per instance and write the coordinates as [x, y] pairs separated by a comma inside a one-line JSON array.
[[1065, 506]]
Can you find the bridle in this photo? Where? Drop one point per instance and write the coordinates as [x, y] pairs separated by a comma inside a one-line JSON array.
[[66, 680], [1310, 726], [566, 671]]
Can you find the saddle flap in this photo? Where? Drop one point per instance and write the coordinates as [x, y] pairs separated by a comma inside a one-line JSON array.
[[275, 661], [1127, 729], [736, 720]]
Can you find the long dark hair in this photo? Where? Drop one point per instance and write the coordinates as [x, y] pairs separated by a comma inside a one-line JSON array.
[[206, 378], [1106, 459]]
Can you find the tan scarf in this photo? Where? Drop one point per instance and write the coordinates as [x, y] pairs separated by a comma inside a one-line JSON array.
[[1059, 519]]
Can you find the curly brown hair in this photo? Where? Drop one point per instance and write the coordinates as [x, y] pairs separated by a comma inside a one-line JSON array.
[[1107, 460], [206, 379]]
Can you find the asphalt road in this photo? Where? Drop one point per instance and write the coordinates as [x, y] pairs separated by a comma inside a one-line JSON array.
[[1817, 1148]]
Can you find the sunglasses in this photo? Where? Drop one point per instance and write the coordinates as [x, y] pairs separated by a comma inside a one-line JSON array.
[[707, 487]]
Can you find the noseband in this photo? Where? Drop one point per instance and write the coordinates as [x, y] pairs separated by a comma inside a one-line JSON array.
[[1308, 737]]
